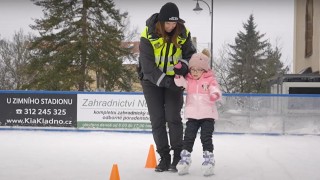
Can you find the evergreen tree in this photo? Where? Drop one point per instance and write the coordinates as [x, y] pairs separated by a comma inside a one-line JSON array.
[[252, 61], [79, 42], [271, 68]]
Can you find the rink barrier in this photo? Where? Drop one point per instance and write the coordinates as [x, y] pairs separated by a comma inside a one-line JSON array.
[[259, 114], [137, 132]]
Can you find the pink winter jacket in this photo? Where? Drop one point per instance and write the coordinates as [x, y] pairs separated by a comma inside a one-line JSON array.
[[199, 105]]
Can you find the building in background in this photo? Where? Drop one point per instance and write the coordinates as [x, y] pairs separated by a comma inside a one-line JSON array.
[[306, 37], [306, 53]]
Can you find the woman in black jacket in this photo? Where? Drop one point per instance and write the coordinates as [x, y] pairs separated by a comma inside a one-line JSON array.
[[165, 42]]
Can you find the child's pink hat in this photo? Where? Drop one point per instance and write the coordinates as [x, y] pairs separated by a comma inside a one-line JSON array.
[[199, 60]]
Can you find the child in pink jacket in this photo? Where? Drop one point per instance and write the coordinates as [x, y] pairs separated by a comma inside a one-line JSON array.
[[200, 111]]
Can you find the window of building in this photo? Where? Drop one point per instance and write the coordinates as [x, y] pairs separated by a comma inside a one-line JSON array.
[[309, 28]]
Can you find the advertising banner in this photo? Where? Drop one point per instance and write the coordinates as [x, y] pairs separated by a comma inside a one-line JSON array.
[[114, 111], [38, 110]]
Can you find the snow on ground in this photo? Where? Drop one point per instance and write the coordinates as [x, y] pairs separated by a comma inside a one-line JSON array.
[[46, 155]]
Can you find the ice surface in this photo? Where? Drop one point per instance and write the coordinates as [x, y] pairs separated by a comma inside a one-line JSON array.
[[43, 155]]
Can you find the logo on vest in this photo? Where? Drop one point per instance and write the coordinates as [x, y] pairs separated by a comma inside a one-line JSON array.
[[173, 19], [157, 45]]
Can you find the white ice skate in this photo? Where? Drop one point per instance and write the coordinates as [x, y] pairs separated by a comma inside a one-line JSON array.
[[208, 164], [184, 163]]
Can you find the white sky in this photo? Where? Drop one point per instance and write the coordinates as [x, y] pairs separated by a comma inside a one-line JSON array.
[[273, 17], [38, 155]]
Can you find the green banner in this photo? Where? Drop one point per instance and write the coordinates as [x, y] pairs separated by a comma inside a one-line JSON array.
[[115, 125]]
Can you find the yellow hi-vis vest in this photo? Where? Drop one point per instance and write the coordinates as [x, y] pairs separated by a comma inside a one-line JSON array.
[[164, 50]]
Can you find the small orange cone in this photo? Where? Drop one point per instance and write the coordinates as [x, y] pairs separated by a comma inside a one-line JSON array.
[[114, 173], [151, 160]]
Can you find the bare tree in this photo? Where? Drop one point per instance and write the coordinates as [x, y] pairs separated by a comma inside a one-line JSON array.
[[221, 66], [14, 57]]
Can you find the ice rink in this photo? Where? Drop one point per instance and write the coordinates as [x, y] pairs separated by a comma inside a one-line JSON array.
[[70, 155]]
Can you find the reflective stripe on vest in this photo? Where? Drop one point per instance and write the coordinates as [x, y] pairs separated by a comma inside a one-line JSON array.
[[162, 51]]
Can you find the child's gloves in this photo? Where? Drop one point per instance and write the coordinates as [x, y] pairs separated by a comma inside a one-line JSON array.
[[170, 84], [215, 93], [180, 69], [214, 97], [178, 66], [180, 81]]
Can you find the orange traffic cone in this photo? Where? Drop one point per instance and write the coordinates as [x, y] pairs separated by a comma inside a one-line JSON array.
[[114, 173], [151, 160]]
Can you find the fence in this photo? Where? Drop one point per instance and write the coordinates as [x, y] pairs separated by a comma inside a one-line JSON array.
[[239, 113], [270, 114]]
